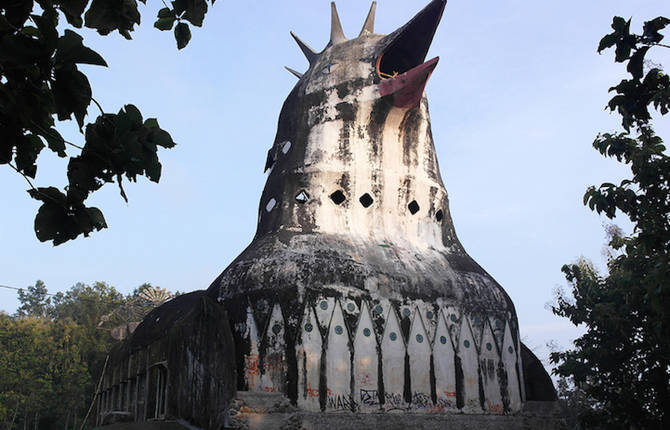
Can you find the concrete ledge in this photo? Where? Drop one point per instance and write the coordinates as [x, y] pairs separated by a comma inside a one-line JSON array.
[[394, 421], [273, 411], [149, 425], [256, 402]]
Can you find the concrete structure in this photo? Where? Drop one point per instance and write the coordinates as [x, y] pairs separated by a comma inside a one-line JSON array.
[[177, 363], [355, 295], [355, 248]]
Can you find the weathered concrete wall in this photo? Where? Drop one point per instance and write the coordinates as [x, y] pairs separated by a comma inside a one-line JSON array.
[[337, 301], [271, 411], [359, 354], [355, 300], [179, 363], [351, 421]]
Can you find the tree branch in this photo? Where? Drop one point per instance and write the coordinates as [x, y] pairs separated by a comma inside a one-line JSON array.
[[81, 148], [98, 105], [31, 184], [24, 176]]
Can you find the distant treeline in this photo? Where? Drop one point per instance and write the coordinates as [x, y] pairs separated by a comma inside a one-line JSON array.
[[53, 350]]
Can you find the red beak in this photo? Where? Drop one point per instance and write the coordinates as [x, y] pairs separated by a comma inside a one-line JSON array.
[[407, 89], [401, 63]]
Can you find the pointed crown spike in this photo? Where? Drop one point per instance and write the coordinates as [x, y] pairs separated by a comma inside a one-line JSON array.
[[293, 72], [369, 26], [306, 49], [336, 32]]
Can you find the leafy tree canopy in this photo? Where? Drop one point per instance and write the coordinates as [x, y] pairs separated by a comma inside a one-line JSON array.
[[53, 350], [35, 301], [41, 83], [621, 365], [42, 373]]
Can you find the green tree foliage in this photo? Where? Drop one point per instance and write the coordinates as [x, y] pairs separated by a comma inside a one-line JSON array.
[[622, 363], [41, 82], [42, 373], [85, 305], [35, 301], [52, 353]]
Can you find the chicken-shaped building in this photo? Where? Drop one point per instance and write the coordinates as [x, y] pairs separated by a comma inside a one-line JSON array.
[[355, 293]]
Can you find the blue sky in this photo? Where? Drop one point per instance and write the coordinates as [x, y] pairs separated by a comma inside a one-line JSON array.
[[515, 102]]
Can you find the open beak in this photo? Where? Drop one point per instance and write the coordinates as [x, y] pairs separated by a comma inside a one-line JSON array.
[[401, 64]]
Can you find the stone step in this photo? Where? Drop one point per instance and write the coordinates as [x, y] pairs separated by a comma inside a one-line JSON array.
[[261, 402]]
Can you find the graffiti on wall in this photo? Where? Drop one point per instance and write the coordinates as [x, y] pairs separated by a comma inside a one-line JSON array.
[[251, 369], [369, 397], [394, 401], [421, 401], [341, 402], [269, 374]]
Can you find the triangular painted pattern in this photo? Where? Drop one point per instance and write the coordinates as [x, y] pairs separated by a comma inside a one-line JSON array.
[[445, 371], [273, 362], [393, 363], [252, 371], [366, 363], [509, 359], [467, 353], [418, 349], [489, 362], [338, 363], [453, 318], [308, 357]]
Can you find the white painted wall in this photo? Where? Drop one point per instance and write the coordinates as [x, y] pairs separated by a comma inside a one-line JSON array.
[[509, 358], [418, 349], [338, 363], [488, 362], [393, 364], [445, 372], [366, 363], [467, 352], [252, 372], [273, 368], [308, 355]]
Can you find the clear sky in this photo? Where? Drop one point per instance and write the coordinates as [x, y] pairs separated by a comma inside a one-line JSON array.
[[516, 101]]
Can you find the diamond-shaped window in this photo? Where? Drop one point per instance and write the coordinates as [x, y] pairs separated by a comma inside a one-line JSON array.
[[302, 197], [366, 200], [338, 197]]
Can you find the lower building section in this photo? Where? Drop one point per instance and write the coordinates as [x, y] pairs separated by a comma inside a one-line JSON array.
[[179, 363], [320, 362], [272, 411], [365, 354]]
